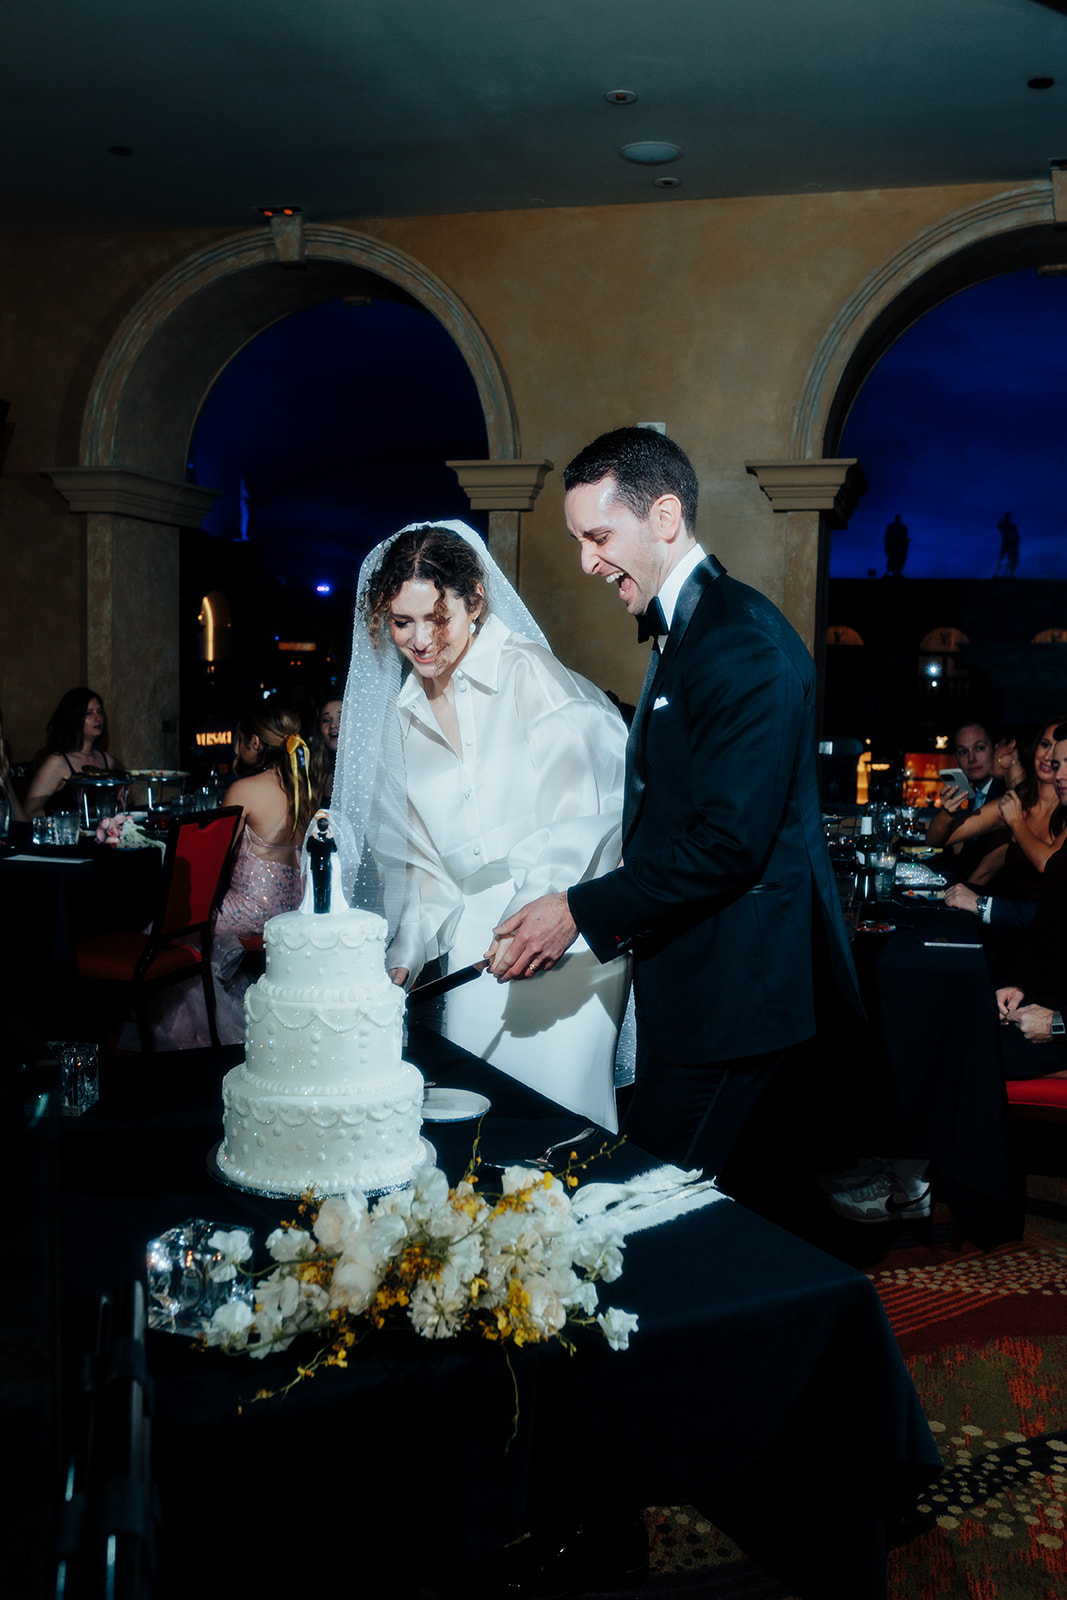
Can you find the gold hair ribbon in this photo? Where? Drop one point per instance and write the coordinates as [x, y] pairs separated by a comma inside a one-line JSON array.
[[297, 752]]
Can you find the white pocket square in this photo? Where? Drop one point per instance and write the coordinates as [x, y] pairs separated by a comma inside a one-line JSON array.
[[661, 701]]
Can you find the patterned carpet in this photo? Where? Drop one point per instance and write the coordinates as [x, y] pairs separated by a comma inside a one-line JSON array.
[[985, 1339]]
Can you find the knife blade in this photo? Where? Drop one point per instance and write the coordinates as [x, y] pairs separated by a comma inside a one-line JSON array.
[[454, 980]]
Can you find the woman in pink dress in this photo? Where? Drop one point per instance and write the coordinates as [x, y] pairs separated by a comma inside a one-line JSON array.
[[275, 797]]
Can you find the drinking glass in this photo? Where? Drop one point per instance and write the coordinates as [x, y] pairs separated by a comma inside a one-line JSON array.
[[79, 1076], [884, 863]]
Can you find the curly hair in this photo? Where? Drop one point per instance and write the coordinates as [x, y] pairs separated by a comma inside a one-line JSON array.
[[645, 465], [66, 724], [429, 554], [274, 725]]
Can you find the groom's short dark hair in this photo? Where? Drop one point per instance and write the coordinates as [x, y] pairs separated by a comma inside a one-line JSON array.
[[644, 463]]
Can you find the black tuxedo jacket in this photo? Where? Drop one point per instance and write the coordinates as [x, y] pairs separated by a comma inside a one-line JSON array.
[[725, 894]]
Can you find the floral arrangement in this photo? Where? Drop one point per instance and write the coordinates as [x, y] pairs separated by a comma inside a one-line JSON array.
[[519, 1267], [125, 833]]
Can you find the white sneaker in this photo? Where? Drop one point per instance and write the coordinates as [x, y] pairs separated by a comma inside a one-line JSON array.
[[879, 1200]]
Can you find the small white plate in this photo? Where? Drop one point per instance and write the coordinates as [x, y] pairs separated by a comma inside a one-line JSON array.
[[453, 1105]]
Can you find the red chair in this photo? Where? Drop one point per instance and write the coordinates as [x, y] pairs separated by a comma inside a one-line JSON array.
[[194, 868], [1037, 1099]]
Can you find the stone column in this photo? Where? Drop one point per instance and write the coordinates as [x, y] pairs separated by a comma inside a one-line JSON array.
[[131, 599], [818, 496], [505, 489]]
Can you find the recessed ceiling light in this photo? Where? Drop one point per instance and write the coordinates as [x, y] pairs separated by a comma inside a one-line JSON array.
[[650, 153], [119, 150], [620, 97], [667, 183], [1040, 83]]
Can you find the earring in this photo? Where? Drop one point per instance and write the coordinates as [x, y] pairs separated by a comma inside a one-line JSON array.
[[473, 627]]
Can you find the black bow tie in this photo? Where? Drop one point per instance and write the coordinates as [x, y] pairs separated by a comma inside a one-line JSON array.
[[651, 623]]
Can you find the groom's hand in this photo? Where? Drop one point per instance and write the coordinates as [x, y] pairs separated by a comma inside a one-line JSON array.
[[539, 935]]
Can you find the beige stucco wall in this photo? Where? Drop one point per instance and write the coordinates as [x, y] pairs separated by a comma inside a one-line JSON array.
[[704, 315]]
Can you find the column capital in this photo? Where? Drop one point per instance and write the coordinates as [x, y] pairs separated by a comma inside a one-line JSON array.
[[125, 493], [830, 484], [501, 485]]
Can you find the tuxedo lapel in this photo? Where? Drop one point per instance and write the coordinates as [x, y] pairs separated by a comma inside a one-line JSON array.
[[658, 670], [635, 763]]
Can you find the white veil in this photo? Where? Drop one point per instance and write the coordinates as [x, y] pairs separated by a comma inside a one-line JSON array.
[[370, 783]]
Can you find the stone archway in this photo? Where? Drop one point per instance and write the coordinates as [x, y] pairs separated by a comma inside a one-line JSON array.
[[139, 416], [818, 489], [1013, 230]]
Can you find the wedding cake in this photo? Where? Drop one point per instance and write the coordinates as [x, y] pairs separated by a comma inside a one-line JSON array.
[[322, 1100]]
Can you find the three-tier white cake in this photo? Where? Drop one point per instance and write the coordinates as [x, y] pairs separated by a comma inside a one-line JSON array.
[[322, 1100]]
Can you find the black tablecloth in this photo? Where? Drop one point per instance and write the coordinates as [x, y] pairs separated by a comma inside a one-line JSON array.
[[933, 1013], [50, 900], [764, 1384]]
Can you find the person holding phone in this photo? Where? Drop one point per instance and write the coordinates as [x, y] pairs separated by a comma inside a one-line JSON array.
[[976, 755]]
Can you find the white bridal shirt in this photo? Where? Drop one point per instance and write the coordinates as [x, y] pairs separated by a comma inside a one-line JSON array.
[[534, 806]]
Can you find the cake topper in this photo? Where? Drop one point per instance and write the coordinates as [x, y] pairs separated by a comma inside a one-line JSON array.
[[321, 865]]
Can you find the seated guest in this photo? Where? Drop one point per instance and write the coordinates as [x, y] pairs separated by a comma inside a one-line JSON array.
[[1032, 1006], [10, 804], [324, 753], [276, 802], [1030, 821], [975, 756], [76, 742]]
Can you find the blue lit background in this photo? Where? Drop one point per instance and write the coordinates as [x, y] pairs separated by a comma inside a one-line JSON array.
[[963, 420]]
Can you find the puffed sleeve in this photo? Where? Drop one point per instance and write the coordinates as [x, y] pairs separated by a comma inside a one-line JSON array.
[[576, 741], [433, 903]]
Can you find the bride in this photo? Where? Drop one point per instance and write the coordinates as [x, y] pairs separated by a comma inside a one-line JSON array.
[[482, 773]]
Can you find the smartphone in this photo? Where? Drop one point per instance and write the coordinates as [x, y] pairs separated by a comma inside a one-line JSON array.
[[957, 776]]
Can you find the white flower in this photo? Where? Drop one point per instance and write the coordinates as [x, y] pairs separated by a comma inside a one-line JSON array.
[[600, 1253], [233, 1247], [289, 1244], [618, 1326], [584, 1297], [546, 1309], [437, 1306], [230, 1324], [339, 1220], [385, 1235], [355, 1281]]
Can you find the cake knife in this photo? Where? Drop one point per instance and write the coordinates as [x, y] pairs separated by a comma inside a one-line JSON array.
[[454, 980]]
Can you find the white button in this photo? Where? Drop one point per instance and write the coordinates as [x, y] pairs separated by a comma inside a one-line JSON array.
[[468, 741], [467, 793], [477, 849], [462, 686]]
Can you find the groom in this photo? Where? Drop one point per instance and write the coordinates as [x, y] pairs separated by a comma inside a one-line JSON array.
[[725, 895]]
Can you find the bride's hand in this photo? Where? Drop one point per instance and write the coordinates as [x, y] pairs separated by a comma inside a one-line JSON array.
[[399, 975], [497, 954]]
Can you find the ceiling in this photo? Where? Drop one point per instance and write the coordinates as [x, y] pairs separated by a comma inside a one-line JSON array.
[[365, 108]]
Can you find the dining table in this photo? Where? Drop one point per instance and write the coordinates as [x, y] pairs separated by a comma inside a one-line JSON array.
[[763, 1384], [54, 895], [933, 1042]]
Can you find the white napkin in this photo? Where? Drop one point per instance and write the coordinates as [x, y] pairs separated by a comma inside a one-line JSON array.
[[647, 1201]]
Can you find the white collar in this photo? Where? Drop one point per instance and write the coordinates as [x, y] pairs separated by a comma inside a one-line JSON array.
[[671, 587]]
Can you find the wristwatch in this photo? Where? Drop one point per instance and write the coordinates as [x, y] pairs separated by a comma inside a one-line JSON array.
[[1057, 1026], [982, 907]]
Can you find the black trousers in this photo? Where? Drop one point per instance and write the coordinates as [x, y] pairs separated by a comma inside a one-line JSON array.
[[694, 1114]]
